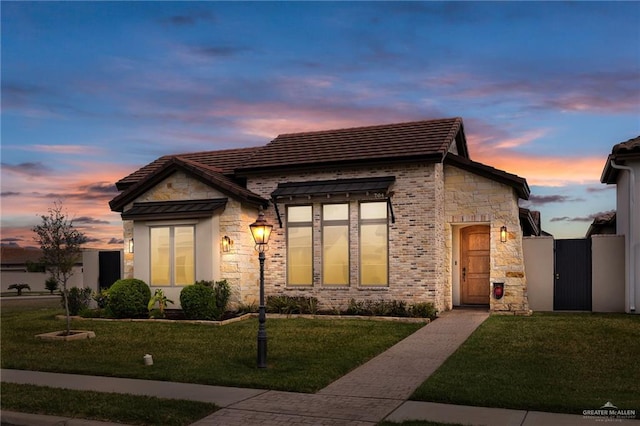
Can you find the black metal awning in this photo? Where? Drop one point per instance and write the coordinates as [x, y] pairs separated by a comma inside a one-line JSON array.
[[378, 186], [334, 187], [162, 210]]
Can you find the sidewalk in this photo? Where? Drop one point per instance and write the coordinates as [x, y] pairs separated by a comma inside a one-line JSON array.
[[375, 391]]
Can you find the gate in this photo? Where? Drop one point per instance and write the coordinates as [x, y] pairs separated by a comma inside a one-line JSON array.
[[108, 268], [572, 289]]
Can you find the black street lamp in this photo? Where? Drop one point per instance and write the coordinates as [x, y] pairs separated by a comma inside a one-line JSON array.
[[261, 231]]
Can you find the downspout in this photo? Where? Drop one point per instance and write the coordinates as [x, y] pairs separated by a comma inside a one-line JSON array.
[[631, 244]]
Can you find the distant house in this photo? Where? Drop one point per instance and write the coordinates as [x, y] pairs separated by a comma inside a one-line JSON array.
[[393, 211], [623, 169], [22, 265]]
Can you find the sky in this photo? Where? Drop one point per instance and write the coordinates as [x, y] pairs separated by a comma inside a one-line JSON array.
[[92, 91]]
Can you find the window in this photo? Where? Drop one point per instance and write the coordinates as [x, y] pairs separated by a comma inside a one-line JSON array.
[[374, 247], [299, 245], [335, 244], [172, 255]]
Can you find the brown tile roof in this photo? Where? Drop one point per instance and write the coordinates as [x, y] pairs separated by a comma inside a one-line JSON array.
[[10, 255], [225, 161], [620, 153], [417, 140]]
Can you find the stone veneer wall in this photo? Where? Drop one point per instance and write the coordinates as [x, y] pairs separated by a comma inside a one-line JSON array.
[[240, 265], [472, 199], [416, 271]]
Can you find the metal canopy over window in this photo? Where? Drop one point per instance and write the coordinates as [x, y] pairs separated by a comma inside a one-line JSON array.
[[189, 209], [375, 186]]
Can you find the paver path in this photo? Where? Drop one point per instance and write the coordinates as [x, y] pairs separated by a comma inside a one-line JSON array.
[[367, 394]]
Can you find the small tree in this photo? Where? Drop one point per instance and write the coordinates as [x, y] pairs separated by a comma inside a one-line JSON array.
[[61, 245], [51, 284]]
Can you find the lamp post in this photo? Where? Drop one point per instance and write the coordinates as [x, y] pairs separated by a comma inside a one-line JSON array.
[[261, 231]]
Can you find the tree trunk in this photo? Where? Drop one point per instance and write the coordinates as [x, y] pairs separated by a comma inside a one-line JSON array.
[[65, 293]]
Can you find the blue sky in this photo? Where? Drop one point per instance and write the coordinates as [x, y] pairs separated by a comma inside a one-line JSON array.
[[91, 91]]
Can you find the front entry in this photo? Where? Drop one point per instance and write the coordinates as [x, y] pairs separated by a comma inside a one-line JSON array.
[[475, 248]]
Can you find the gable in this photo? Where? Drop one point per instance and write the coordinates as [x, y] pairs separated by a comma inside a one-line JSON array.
[[208, 175], [516, 182]]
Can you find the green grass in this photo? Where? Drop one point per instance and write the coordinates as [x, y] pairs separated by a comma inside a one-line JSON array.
[[546, 362], [303, 355], [111, 407]]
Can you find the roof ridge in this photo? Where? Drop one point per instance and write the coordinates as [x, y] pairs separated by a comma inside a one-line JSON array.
[[372, 127], [199, 164]]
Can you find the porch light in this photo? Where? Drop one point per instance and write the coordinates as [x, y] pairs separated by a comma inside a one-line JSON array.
[[131, 245], [503, 234], [261, 231], [226, 244]]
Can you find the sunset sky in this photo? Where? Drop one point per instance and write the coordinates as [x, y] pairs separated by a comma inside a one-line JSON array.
[[91, 91]]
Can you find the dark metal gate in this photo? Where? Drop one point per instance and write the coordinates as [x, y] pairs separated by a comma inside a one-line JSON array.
[[572, 290], [108, 268]]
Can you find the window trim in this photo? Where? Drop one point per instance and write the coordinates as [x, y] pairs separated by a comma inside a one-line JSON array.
[[172, 253], [307, 224], [336, 222], [379, 221]]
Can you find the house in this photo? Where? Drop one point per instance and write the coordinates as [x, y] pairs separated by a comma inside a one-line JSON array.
[[622, 168], [394, 212], [21, 265]]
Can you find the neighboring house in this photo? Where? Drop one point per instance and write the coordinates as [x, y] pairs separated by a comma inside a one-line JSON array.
[[394, 212], [603, 224], [623, 169], [21, 265]]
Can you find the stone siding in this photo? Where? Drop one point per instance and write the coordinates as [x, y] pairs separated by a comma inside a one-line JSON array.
[[472, 199], [416, 271]]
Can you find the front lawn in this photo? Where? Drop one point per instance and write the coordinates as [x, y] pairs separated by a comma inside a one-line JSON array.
[[546, 362], [110, 407], [303, 355]]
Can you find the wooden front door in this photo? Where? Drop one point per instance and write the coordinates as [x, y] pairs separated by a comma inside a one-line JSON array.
[[475, 247]]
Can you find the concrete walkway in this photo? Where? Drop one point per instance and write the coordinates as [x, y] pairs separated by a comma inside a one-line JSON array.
[[375, 391]]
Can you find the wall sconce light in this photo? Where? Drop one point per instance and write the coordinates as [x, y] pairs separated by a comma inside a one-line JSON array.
[[503, 234], [131, 245], [498, 290], [226, 244]]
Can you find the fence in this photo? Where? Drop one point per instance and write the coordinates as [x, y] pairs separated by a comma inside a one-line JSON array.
[[605, 272]]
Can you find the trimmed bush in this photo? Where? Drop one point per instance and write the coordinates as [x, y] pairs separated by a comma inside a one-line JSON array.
[[78, 298], [199, 302], [128, 298]]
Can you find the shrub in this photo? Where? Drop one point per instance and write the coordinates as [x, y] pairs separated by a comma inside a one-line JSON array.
[[222, 293], [19, 287], [79, 299], [101, 298], [51, 284], [199, 302], [128, 298], [423, 310], [291, 305]]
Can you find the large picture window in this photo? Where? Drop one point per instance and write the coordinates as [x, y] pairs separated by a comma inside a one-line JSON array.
[[335, 244], [172, 255], [299, 245], [374, 244]]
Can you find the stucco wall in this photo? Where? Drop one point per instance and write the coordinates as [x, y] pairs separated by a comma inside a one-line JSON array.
[[472, 199], [538, 261], [608, 273]]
